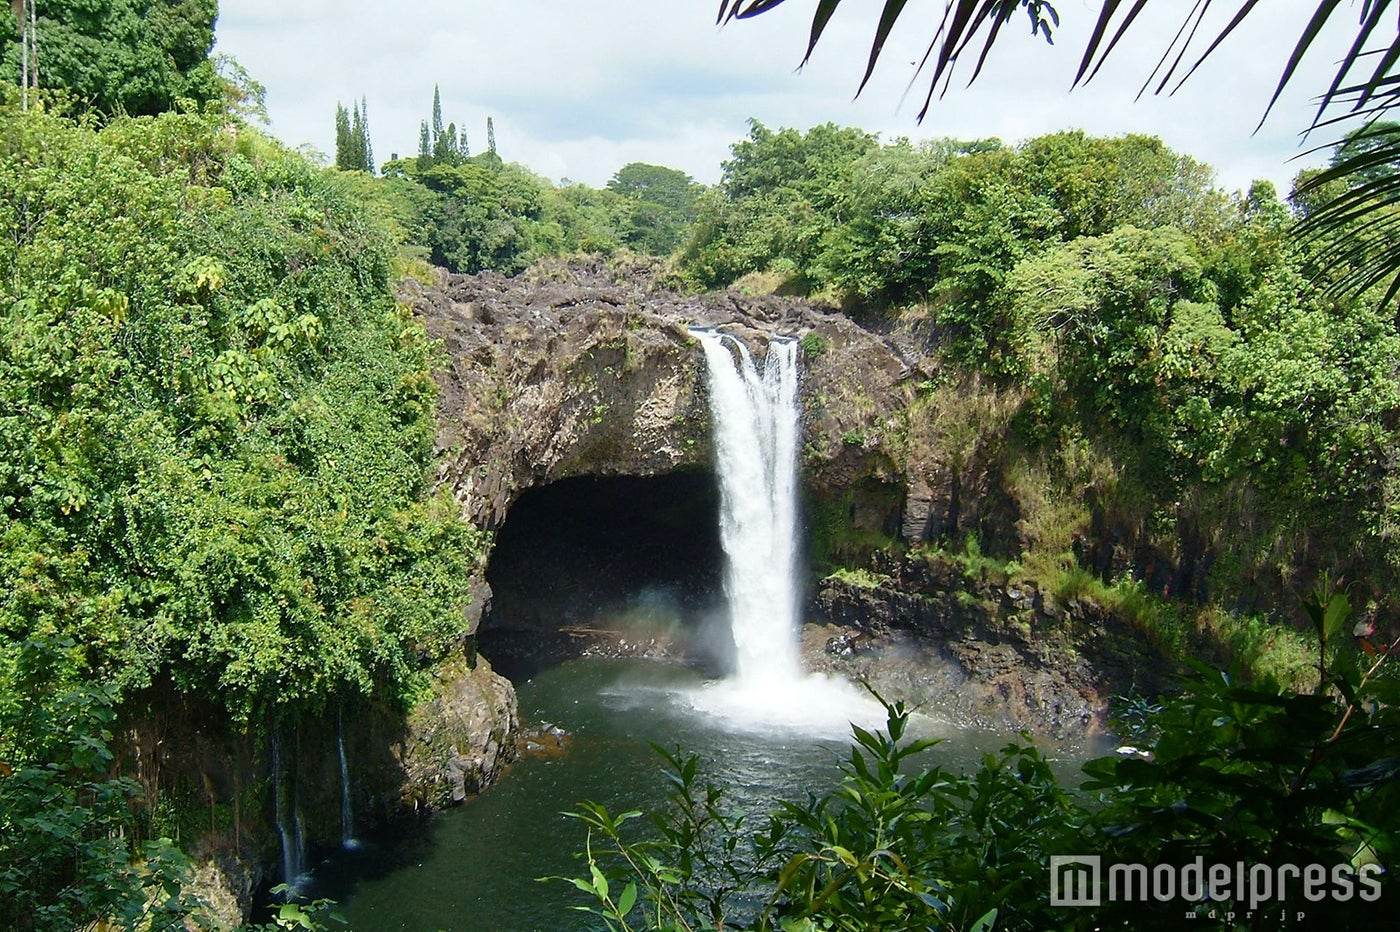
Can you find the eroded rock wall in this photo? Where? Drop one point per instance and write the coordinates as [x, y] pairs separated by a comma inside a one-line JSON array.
[[980, 649], [589, 368], [211, 786]]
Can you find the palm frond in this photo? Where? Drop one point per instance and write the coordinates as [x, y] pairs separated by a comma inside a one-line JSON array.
[[1356, 232]]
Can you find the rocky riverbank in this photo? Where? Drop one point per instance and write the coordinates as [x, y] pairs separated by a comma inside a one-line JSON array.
[[979, 649]]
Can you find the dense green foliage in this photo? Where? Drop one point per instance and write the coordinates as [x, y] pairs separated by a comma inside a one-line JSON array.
[[775, 204], [942, 221], [215, 438], [660, 206], [478, 213], [473, 213], [1253, 775], [1362, 93], [65, 819], [134, 57], [1164, 371]]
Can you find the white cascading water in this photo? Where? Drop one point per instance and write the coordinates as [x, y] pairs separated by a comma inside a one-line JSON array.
[[347, 815], [757, 433], [288, 832], [755, 428]]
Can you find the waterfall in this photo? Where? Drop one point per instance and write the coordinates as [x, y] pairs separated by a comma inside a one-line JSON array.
[[756, 429], [756, 422], [298, 824], [289, 831], [347, 817]]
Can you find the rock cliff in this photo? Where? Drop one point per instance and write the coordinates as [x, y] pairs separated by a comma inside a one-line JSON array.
[[978, 648], [589, 369]]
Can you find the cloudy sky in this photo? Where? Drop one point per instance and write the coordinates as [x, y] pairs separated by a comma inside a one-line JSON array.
[[578, 88]]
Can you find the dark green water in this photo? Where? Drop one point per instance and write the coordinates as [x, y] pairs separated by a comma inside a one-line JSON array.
[[474, 868]]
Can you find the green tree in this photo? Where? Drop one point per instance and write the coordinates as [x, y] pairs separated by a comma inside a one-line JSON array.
[[1107, 304], [240, 491], [359, 131], [663, 205], [437, 114], [343, 140], [353, 151], [125, 56], [213, 479], [1373, 152], [425, 146], [774, 202], [245, 96], [440, 144]]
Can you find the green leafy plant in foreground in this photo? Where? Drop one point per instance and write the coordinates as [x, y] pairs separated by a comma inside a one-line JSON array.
[[65, 819], [895, 846], [1233, 773], [314, 916]]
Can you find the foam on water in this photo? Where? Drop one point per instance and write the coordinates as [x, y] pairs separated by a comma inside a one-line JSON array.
[[813, 704]]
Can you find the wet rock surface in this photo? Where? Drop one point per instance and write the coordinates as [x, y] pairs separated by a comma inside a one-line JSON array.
[[588, 369], [546, 742], [459, 740], [984, 651]]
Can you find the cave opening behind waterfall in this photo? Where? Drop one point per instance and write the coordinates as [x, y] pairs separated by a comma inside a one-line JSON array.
[[608, 565]]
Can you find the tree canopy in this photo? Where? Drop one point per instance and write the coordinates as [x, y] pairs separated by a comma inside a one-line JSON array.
[[214, 462], [135, 57], [1364, 87]]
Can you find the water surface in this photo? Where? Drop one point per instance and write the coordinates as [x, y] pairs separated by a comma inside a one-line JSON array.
[[474, 867]]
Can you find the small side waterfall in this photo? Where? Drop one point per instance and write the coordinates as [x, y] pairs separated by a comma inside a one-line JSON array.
[[289, 828], [347, 815], [756, 422]]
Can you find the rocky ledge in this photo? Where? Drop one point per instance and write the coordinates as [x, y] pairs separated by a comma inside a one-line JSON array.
[[978, 649], [588, 368], [455, 742]]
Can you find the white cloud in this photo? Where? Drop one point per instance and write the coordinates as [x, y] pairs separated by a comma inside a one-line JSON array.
[[578, 89]]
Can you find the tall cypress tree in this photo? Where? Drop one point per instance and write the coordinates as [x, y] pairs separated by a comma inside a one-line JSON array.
[[367, 150], [490, 136], [357, 139], [343, 143], [352, 146], [437, 117], [445, 145], [425, 146]]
